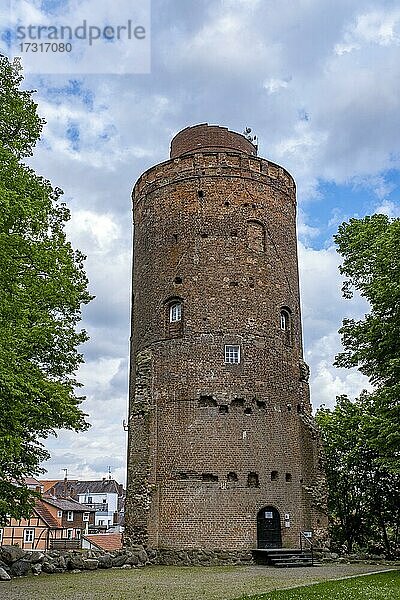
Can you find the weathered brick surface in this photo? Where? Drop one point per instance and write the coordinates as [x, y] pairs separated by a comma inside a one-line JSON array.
[[216, 231], [210, 137]]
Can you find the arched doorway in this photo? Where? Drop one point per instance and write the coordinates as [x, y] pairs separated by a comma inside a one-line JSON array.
[[269, 528]]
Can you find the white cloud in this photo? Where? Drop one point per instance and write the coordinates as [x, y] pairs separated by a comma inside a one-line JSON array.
[[318, 83], [275, 85], [380, 27], [388, 208], [323, 310], [101, 230]]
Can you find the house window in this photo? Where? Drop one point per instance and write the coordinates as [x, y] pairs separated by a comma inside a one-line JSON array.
[[29, 535], [59, 514], [70, 534], [175, 312], [90, 500], [1, 536], [78, 534], [70, 515], [86, 517], [232, 354]]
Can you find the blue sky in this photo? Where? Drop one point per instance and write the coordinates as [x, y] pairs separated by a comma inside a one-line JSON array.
[[317, 81]]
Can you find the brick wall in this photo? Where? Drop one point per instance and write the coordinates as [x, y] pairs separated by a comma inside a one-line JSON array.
[[215, 230], [210, 137]]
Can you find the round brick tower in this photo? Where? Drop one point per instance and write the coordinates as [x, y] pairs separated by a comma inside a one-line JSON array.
[[223, 452]]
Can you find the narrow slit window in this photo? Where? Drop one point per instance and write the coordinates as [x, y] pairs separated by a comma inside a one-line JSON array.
[[285, 320], [232, 354], [175, 312], [286, 325]]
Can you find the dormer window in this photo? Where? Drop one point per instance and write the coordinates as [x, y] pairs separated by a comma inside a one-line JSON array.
[[175, 312]]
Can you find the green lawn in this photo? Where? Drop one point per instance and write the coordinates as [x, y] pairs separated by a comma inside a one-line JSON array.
[[184, 583], [385, 586]]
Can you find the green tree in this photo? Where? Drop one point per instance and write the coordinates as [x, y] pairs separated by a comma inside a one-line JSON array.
[[362, 438], [370, 248], [364, 495], [42, 288]]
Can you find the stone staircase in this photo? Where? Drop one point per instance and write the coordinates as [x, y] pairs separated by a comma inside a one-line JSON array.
[[284, 557]]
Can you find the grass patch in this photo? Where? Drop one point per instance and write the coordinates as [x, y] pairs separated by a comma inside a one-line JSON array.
[[179, 583], [384, 586]]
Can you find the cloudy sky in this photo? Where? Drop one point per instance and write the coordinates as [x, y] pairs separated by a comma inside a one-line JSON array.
[[317, 81]]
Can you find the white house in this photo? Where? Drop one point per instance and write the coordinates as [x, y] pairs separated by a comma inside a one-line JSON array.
[[105, 496]]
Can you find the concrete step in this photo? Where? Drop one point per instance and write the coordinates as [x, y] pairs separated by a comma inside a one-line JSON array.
[[284, 557]]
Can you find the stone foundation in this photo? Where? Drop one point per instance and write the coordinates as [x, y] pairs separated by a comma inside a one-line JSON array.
[[201, 557]]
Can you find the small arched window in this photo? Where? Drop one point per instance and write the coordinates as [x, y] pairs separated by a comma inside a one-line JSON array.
[[173, 317], [285, 320]]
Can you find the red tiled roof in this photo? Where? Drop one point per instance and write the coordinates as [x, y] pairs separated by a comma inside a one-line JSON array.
[[43, 512], [48, 483], [105, 541]]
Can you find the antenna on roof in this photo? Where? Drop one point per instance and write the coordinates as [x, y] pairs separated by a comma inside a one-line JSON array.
[[248, 136], [109, 472]]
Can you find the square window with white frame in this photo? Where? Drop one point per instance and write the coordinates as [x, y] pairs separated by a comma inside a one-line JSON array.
[[232, 354], [70, 515], [86, 516], [29, 535]]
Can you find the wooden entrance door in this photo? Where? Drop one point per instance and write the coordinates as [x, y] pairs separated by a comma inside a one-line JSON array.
[[269, 528]]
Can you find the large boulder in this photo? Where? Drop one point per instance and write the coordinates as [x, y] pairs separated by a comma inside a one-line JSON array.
[[105, 561], [48, 567], [152, 554], [133, 560], [36, 568], [35, 557], [140, 553], [60, 563], [11, 554], [90, 564], [75, 562], [20, 568], [119, 560], [4, 576]]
